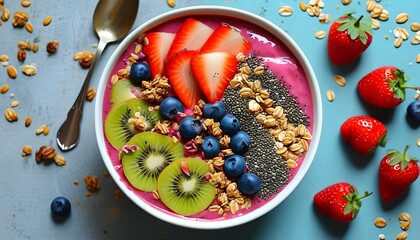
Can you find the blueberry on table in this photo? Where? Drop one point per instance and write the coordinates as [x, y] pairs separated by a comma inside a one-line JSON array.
[[190, 127], [249, 183], [211, 147], [234, 165], [413, 110], [140, 72], [240, 142], [170, 107], [61, 206], [230, 124], [216, 110]]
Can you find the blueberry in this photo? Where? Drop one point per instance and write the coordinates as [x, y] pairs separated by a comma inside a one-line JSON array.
[[216, 111], [140, 72], [234, 165], [230, 124], [211, 147], [413, 110], [61, 206], [170, 107], [249, 183], [240, 142], [190, 127]]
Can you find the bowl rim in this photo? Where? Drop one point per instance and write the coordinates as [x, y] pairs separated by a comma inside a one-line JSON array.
[[227, 12]]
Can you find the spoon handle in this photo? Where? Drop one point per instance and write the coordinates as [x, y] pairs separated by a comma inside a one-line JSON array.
[[68, 133]]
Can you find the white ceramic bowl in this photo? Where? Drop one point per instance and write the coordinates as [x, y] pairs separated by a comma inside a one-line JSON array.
[[304, 164]]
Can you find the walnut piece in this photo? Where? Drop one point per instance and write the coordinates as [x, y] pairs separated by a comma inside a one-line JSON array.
[[52, 47], [20, 18], [45, 153]]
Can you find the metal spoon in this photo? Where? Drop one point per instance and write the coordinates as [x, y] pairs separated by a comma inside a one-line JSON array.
[[112, 21]]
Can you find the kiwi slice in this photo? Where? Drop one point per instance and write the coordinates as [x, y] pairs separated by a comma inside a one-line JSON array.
[[155, 152], [117, 129], [123, 90], [183, 186]]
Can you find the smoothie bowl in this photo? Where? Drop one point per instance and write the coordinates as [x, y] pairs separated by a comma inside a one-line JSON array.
[[208, 117]]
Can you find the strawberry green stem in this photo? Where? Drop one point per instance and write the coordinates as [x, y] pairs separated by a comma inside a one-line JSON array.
[[366, 194], [410, 87], [405, 151], [357, 23]]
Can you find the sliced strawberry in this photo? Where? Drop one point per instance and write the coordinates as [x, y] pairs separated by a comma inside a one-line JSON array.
[[157, 49], [178, 70], [213, 71], [226, 39], [191, 36]]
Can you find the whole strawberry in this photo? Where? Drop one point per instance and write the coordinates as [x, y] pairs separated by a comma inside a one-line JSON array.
[[364, 133], [384, 87], [339, 201], [348, 38], [396, 173]]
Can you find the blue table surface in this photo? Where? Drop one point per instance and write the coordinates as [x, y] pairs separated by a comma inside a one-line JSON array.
[[27, 188]]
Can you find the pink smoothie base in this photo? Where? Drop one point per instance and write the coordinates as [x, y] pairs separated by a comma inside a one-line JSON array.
[[279, 60]]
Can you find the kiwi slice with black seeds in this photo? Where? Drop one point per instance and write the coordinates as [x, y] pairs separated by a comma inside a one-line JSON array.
[[123, 90], [183, 186], [155, 152], [118, 130]]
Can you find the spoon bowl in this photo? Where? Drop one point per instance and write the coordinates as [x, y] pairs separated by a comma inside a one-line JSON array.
[[112, 20]]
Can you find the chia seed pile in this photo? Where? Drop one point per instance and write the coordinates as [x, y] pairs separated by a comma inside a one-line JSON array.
[[262, 159]]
